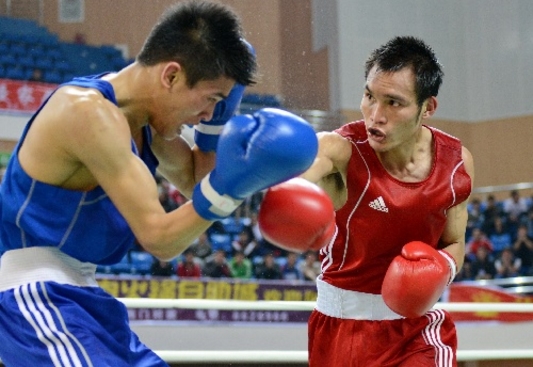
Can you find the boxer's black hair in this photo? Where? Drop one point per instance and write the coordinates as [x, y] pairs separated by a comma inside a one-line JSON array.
[[408, 51], [205, 38]]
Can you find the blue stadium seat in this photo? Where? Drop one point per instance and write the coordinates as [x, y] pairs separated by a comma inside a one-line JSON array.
[[44, 64], [62, 66], [18, 49], [122, 267], [221, 242], [54, 53], [26, 61], [232, 226], [36, 51], [52, 76], [15, 72], [141, 262], [4, 48], [8, 60]]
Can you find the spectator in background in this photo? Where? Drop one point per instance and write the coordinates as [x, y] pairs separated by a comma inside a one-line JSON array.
[[507, 265], [500, 237], [36, 75], [161, 268], [290, 270], [188, 268], [240, 266], [310, 267], [490, 213], [254, 228], [475, 217], [478, 239], [217, 267], [202, 247], [515, 209], [529, 222], [466, 271], [268, 269], [523, 250], [482, 265], [164, 197], [247, 245]]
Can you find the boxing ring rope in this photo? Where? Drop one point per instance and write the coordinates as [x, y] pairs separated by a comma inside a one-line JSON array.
[[261, 356]]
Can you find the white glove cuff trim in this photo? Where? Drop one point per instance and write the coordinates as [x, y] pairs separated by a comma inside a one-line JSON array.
[[209, 129], [222, 205], [452, 265]]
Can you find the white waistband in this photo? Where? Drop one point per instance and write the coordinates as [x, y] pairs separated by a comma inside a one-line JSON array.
[[346, 304], [36, 264]]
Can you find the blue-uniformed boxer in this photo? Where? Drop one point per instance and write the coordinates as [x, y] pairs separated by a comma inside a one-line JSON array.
[[79, 187]]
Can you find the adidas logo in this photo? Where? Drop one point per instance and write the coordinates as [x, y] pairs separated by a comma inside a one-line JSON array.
[[379, 204]]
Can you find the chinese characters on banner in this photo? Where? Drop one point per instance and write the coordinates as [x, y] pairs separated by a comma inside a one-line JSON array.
[[227, 289], [253, 290], [22, 96]]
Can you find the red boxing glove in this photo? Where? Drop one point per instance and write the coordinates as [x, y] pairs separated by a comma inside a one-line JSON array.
[[297, 215], [416, 279]]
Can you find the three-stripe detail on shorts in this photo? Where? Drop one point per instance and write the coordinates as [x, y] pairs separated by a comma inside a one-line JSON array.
[[39, 311], [432, 336]]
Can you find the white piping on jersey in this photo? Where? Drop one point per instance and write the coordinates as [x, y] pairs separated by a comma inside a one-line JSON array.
[[347, 241], [73, 221], [451, 184], [432, 336], [21, 211], [33, 308], [326, 251], [75, 217]]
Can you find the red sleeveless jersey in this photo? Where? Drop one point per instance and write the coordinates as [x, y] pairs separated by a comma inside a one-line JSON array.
[[382, 213]]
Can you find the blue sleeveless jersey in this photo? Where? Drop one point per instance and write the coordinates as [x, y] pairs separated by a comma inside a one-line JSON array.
[[85, 225]]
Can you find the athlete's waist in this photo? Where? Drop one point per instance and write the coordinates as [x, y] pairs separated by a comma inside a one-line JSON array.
[[347, 304], [37, 264]]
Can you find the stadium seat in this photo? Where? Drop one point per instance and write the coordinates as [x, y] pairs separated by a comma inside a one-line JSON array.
[[44, 64], [8, 60], [52, 76], [141, 262], [232, 226], [221, 242], [122, 267], [26, 61], [15, 72]]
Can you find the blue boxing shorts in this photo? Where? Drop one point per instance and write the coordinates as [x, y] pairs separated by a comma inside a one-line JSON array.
[[52, 313]]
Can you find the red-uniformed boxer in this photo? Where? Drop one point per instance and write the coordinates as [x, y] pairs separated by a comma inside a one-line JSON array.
[[400, 191]]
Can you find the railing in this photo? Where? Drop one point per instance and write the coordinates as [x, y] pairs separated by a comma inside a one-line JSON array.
[[514, 285]]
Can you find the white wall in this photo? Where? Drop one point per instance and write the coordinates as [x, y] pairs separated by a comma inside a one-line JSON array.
[[187, 336], [11, 126], [485, 46]]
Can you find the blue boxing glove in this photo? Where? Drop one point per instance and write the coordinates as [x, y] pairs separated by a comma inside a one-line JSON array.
[[207, 133], [254, 152]]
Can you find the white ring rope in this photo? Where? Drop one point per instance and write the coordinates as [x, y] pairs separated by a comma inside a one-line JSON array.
[[275, 356], [207, 304], [300, 357]]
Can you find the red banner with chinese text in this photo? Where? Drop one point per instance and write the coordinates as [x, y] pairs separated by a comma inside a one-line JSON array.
[[18, 96], [471, 293]]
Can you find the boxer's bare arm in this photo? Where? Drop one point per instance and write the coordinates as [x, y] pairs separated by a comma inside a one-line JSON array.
[[453, 237], [329, 168], [180, 164], [89, 141]]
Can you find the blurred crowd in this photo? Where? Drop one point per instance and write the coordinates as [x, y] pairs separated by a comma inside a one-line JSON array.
[[234, 248], [499, 238]]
